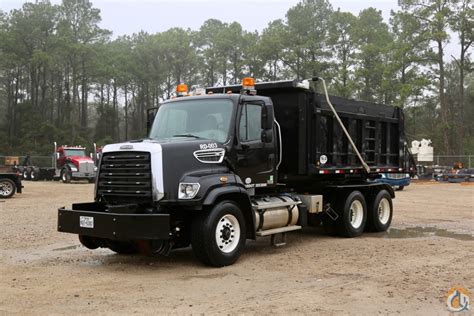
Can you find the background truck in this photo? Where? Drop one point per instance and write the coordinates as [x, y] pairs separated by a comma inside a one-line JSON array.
[[10, 178], [230, 165], [67, 163]]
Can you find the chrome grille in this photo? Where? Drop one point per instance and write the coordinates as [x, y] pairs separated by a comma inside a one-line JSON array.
[[125, 177], [86, 167]]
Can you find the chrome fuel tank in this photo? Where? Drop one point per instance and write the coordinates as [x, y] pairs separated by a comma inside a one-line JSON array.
[[275, 212]]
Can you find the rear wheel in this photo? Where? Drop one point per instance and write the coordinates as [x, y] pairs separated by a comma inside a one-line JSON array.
[[7, 188], [400, 188], [26, 174], [380, 212], [34, 175], [218, 237]]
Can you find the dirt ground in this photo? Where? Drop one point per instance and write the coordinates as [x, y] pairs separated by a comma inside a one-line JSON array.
[[408, 270]]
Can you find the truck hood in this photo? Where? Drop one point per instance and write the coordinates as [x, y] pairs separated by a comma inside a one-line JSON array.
[[176, 160], [76, 160]]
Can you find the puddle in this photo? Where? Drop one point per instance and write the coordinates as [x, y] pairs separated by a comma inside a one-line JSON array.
[[418, 232], [67, 248]]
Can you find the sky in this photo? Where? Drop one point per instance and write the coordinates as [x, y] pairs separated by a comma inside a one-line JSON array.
[[131, 16]]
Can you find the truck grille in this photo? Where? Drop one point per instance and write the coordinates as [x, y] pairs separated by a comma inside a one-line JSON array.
[[86, 167], [125, 177]]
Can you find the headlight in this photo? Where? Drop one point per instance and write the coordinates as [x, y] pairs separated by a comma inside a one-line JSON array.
[[73, 169], [188, 190], [95, 168]]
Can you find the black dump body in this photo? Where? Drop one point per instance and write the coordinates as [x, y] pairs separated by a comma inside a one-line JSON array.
[[310, 130]]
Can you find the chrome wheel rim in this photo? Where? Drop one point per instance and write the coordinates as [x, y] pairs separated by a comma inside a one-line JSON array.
[[227, 233], [356, 214], [6, 188], [384, 211]]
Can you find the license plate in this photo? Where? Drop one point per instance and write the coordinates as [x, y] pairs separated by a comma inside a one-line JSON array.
[[86, 221]]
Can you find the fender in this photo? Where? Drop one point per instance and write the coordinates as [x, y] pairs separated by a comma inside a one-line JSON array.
[[239, 195], [216, 192], [217, 187], [69, 166]]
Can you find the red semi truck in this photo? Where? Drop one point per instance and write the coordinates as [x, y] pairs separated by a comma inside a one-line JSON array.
[[68, 163]]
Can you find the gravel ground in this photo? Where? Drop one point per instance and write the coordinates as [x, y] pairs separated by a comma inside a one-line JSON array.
[[405, 271]]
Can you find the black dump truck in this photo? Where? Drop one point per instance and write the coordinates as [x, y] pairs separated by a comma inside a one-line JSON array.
[[240, 162]]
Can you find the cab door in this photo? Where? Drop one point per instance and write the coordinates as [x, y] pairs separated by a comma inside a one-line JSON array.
[[255, 158]]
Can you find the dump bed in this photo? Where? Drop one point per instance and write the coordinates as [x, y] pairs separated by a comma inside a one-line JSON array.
[[313, 141]]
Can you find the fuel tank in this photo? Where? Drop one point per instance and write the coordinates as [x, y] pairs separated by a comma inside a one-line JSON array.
[[274, 212]]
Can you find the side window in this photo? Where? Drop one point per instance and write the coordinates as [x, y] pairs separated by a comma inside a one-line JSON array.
[[250, 122]]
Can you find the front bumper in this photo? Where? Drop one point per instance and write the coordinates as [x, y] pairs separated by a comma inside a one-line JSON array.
[[94, 220], [82, 175]]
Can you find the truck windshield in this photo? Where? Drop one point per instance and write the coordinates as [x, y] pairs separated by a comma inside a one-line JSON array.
[[202, 118], [75, 152]]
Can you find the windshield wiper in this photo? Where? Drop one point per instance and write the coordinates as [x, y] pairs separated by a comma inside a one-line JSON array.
[[186, 135]]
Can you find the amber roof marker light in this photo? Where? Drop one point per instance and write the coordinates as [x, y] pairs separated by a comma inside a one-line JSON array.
[[248, 86], [182, 90]]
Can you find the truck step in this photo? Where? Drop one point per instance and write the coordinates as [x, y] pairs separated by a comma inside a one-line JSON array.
[[278, 230]]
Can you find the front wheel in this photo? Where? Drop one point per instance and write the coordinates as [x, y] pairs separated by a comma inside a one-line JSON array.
[[7, 188], [218, 237], [122, 247], [66, 176]]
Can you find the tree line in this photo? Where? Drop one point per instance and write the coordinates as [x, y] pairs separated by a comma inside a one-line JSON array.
[[64, 78]]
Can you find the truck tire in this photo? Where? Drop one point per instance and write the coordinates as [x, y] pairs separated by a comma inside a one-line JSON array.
[[88, 242], [66, 175], [379, 213], [7, 188], [352, 216], [122, 247], [34, 174], [218, 236], [26, 174], [400, 188]]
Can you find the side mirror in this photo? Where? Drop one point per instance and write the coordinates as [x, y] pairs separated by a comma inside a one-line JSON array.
[[150, 117], [267, 136], [267, 117]]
